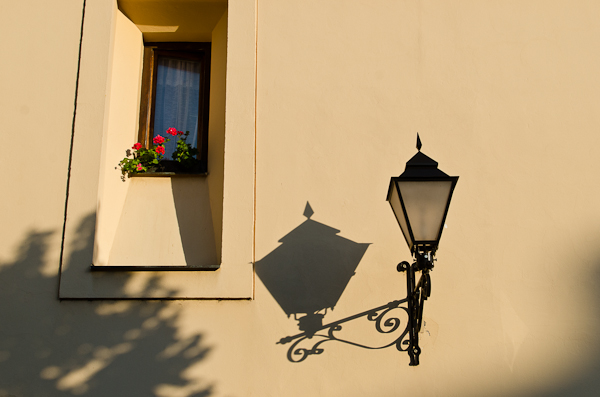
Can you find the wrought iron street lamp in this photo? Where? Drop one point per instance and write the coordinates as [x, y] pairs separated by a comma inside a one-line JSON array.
[[420, 198]]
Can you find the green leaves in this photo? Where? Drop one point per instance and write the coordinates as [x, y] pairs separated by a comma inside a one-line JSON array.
[[185, 154], [143, 159], [146, 159]]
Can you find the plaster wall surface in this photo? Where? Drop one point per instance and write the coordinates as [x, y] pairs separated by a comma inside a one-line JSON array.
[[503, 94]]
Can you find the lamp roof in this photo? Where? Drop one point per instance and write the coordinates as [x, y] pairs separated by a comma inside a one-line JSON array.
[[422, 166]]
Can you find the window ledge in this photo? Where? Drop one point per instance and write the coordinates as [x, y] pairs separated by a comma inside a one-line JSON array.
[[109, 268], [168, 174]]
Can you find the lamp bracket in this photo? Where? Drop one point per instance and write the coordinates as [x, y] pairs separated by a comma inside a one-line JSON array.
[[416, 296], [385, 319]]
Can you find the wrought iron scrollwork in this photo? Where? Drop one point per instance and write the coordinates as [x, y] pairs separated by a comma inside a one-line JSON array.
[[385, 322]]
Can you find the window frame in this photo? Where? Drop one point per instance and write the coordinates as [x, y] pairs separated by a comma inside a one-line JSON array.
[[196, 51]]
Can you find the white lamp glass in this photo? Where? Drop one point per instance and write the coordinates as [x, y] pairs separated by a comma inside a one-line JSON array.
[[425, 203]]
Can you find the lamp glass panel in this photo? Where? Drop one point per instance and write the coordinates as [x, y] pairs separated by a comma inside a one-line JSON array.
[[397, 208], [425, 203]]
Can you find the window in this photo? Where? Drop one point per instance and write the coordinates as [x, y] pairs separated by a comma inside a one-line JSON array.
[[106, 125], [175, 93]]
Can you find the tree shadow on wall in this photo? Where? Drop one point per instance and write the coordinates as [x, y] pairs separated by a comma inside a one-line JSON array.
[[584, 381], [99, 348]]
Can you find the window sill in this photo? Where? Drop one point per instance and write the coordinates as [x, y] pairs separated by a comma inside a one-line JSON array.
[[168, 174], [109, 268]]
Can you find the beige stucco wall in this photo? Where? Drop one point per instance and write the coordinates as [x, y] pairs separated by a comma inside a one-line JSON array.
[[323, 102], [36, 108]]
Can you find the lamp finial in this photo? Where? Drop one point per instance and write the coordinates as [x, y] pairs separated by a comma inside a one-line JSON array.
[[418, 142]]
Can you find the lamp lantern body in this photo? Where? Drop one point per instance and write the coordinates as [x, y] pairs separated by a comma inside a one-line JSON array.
[[420, 199]]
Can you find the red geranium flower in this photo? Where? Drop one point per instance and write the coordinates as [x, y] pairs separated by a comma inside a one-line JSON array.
[[179, 132], [160, 150], [158, 140], [137, 146], [172, 131], [139, 167]]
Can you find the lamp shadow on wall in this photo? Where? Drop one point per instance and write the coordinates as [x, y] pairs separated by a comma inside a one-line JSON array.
[[92, 348], [310, 270], [307, 275]]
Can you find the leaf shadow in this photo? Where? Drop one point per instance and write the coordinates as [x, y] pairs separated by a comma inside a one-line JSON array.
[[92, 348]]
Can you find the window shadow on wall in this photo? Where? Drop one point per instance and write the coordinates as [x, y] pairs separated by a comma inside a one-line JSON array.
[[100, 348], [194, 217]]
